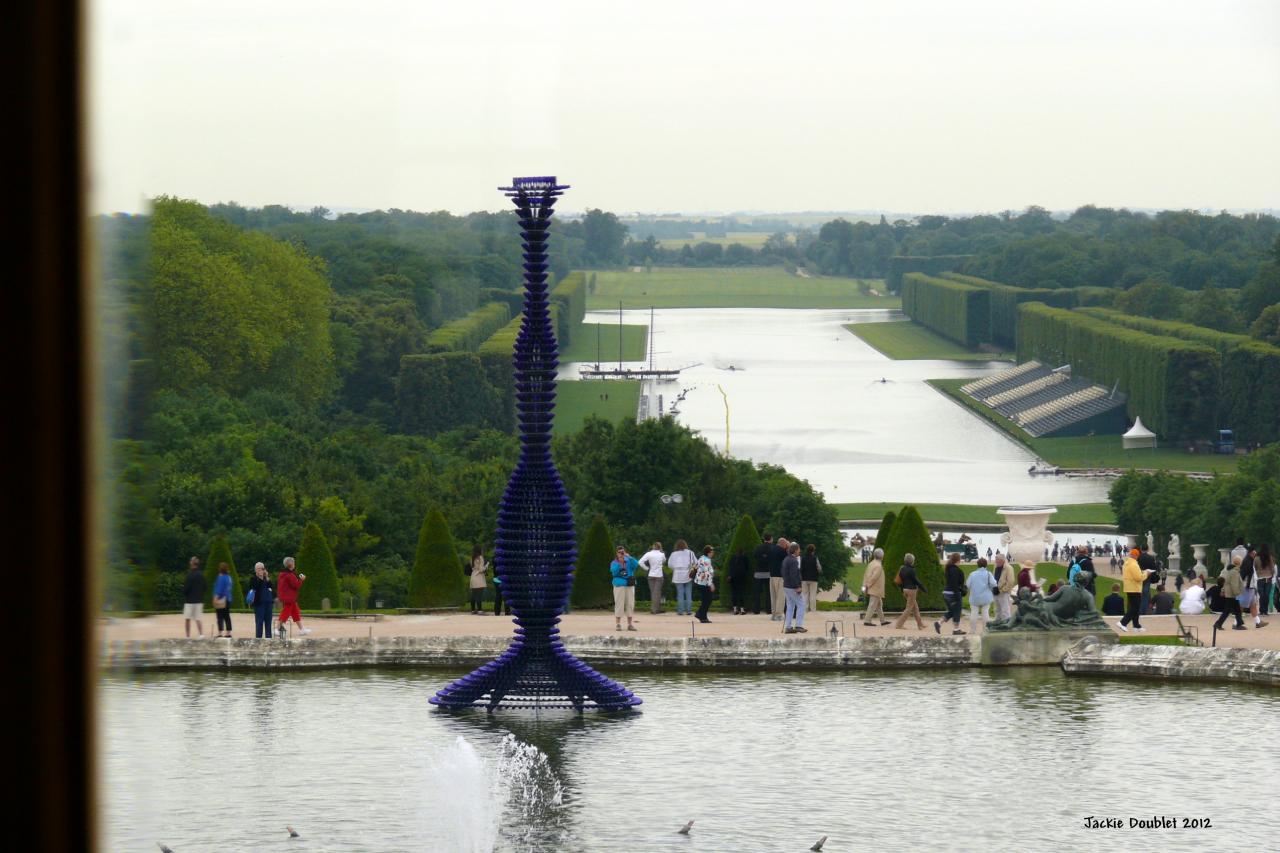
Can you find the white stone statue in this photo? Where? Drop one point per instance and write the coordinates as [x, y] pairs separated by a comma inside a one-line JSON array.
[[1151, 542], [1175, 554]]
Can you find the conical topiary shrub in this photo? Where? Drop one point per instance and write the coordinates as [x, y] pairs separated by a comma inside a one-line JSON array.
[[315, 560], [886, 529], [221, 553], [592, 583], [437, 579], [909, 536], [747, 537]]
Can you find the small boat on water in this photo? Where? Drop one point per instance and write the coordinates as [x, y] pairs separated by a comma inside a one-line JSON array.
[[1042, 468]]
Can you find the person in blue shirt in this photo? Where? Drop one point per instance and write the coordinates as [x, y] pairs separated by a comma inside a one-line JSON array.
[[623, 568], [262, 600], [222, 600]]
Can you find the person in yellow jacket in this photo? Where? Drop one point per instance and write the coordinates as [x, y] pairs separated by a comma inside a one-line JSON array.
[[1134, 575]]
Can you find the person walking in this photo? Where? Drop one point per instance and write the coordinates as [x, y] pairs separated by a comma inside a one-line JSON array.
[[261, 598], [911, 588], [222, 600], [288, 583], [682, 562], [739, 579], [810, 574], [1265, 565], [193, 591], [705, 580], [793, 589], [1006, 580], [1147, 562], [1134, 576], [1249, 591], [1083, 562], [477, 582], [623, 569], [1229, 596], [760, 563], [873, 589], [500, 605], [777, 599], [952, 594], [654, 562], [982, 591]]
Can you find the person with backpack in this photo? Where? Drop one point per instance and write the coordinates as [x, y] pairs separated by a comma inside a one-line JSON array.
[[982, 591], [1082, 562]]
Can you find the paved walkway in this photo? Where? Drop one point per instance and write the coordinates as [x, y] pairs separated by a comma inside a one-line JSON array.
[[648, 625]]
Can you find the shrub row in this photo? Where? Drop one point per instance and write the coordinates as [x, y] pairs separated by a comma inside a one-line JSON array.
[[571, 295], [468, 332], [900, 265], [449, 390], [954, 310], [1248, 399], [495, 358], [1170, 382], [1005, 299]]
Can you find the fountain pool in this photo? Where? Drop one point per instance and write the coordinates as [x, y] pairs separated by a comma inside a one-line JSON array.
[[974, 759]]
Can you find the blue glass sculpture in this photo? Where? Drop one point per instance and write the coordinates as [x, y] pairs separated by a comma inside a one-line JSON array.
[[536, 546]]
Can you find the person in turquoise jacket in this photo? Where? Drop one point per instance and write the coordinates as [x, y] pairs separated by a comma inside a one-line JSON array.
[[623, 568]]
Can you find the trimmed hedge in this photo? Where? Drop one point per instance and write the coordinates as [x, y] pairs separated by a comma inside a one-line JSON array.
[[495, 357], [469, 332], [444, 391], [437, 579], [909, 536], [571, 295], [1249, 385], [1005, 299], [900, 265], [1170, 382], [513, 299], [592, 583], [957, 311], [886, 529], [315, 560]]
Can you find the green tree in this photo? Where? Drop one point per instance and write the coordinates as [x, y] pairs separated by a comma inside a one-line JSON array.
[[343, 529], [315, 560], [1267, 327], [437, 579], [910, 536], [886, 530], [218, 554], [592, 583]]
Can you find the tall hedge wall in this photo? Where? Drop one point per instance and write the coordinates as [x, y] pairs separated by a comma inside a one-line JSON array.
[[1248, 398], [571, 295], [1005, 299], [448, 390], [957, 311], [513, 299], [470, 331], [900, 265], [495, 357], [1170, 382]]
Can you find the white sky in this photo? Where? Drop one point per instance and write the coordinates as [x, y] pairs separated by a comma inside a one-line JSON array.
[[904, 105]]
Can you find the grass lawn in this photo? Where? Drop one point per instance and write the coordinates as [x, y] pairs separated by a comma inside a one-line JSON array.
[[910, 340], [964, 514], [754, 239], [576, 399], [731, 287], [1090, 451], [582, 345]]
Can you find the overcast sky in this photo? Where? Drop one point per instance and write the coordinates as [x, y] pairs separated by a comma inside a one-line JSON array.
[[658, 106]]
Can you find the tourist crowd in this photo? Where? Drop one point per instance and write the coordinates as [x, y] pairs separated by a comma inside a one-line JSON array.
[[262, 597]]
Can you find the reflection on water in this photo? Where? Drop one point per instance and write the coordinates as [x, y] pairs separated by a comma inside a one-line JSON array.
[[972, 759], [806, 394]]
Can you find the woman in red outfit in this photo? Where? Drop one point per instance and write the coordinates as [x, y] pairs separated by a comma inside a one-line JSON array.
[[287, 585]]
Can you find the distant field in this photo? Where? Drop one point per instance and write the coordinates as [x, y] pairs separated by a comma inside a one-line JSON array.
[[754, 239], [731, 287], [1092, 451], [964, 514], [909, 340], [582, 346], [576, 399]]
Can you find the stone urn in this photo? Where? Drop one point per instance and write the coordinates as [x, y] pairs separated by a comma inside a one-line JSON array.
[[1225, 554], [1200, 568], [1130, 541], [1028, 532]]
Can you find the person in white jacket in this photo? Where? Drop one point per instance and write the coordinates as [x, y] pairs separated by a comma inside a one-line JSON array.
[[1192, 603], [653, 561]]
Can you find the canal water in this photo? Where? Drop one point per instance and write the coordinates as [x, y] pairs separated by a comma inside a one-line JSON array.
[[969, 759], [805, 393]]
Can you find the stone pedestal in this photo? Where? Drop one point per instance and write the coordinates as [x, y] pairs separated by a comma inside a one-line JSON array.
[[1028, 534]]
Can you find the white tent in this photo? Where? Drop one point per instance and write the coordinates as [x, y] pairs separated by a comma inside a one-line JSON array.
[[1138, 436]]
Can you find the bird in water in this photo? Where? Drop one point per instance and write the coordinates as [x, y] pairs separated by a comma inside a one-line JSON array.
[[818, 845], [164, 848], [293, 833], [684, 830]]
